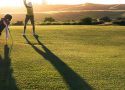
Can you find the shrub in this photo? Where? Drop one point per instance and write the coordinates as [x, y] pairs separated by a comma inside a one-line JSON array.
[[119, 22], [99, 22], [49, 19], [18, 23], [106, 19], [86, 21]]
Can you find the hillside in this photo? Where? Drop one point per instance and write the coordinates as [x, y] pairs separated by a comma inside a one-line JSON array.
[[46, 8], [67, 12]]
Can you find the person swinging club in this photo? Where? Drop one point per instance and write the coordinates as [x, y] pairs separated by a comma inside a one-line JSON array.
[[29, 16]]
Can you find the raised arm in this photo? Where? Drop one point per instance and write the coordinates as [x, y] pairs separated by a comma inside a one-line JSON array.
[[25, 3]]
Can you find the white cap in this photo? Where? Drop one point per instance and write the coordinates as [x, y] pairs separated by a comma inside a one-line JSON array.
[[29, 4]]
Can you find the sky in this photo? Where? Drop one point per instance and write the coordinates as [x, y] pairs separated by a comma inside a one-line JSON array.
[[20, 2], [86, 1]]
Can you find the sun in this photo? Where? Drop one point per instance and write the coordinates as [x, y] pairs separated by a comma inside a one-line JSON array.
[[16, 3], [8, 3]]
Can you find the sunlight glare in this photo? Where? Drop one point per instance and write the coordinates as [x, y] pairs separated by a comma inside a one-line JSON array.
[[17, 3]]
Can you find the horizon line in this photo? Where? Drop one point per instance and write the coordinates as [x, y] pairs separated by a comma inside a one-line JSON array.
[[68, 4]]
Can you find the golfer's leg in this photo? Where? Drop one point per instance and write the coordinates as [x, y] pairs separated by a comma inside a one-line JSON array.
[[0, 32], [33, 24], [26, 21]]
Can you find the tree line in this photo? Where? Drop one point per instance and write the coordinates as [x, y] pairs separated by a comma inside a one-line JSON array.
[[84, 21]]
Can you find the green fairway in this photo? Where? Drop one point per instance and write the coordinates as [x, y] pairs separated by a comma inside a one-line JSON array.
[[64, 58]]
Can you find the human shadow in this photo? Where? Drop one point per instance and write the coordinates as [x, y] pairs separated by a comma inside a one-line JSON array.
[[7, 81], [72, 79]]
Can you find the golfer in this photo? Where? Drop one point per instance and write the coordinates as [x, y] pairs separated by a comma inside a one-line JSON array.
[[4, 24], [29, 16]]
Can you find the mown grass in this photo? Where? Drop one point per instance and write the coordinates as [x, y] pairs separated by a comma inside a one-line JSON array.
[[64, 58]]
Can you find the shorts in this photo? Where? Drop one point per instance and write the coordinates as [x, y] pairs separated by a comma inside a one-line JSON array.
[[31, 18]]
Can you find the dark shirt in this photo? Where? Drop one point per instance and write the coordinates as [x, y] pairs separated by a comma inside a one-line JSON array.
[[2, 25]]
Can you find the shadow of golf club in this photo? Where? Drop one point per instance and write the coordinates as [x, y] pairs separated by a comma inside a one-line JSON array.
[[7, 81], [72, 79]]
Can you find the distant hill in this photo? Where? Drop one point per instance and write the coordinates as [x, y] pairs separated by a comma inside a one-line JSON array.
[[87, 6], [67, 12]]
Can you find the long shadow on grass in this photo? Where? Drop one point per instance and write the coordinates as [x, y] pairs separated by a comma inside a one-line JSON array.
[[72, 79], [7, 81]]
